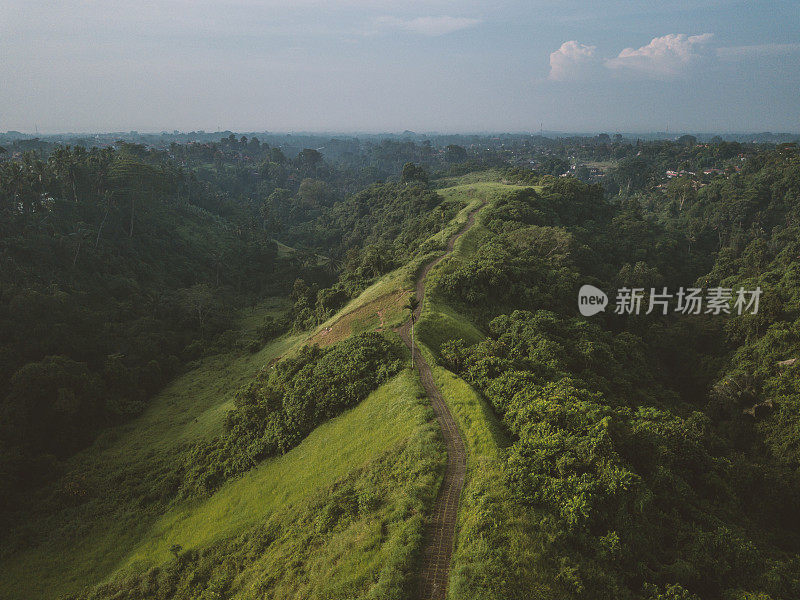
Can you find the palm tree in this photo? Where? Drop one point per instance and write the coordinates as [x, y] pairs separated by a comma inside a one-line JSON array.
[[107, 196], [79, 235], [441, 216], [334, 264], [218, 262], [412, 305]]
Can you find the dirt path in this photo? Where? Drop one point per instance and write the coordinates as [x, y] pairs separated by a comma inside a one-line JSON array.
[[440, 531]]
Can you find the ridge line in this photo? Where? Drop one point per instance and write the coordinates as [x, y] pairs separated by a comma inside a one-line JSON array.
[[440, 531]]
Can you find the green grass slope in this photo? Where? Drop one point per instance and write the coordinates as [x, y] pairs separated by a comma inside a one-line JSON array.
[[100, 515], [387, 417], [126, 540], [118, 522], [497, 548], [338, 517]]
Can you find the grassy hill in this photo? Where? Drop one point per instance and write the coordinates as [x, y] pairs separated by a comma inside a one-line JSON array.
[[354, 492], [496, 549], [86, 541], [113, 530], [120, 537], [108, 530]]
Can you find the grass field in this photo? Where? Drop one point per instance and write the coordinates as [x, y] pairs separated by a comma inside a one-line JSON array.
[[339, 517], [331, 451], [123, 536], [283, 249], [253, 316], [108, 527]]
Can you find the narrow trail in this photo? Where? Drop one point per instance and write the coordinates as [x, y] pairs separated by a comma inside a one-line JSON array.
[[440, 531]]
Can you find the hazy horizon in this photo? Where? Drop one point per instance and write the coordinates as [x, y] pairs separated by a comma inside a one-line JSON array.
[[334, 132], [374, 67]]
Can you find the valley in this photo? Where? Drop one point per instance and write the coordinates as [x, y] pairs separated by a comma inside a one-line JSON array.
[[294, 450]]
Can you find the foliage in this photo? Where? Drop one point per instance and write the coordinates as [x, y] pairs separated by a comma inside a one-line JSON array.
[[283, 404], [644, 457], [638, 444], [118, 261], [357, 537]]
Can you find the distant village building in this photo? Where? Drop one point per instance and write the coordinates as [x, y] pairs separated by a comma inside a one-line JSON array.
[[671, 174]]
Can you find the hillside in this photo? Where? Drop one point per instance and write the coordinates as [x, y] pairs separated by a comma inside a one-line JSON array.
[[121, 536], [356, 300], [530, 452], [611, 429]]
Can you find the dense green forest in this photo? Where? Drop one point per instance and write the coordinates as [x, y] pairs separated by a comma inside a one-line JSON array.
[[119, 267], [644, 456], [660, 452]]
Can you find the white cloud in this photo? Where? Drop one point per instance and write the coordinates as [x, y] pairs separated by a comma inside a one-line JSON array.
[[427, 25], [572, 60], [664, 57]]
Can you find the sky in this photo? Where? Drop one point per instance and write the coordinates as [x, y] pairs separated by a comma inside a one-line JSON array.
[[381, 66]]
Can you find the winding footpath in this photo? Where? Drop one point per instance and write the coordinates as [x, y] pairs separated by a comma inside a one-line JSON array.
[[440, 531]]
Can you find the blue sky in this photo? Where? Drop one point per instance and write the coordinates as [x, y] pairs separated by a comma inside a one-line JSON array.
[[438, 65]]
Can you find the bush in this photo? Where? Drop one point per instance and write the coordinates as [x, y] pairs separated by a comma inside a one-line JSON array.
[[283, 404]]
